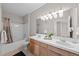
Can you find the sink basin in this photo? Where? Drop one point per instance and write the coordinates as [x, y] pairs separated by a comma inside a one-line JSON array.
[[65, 43], [73, 43]]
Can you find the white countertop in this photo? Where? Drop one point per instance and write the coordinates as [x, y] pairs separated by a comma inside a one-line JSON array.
[[74, 48]]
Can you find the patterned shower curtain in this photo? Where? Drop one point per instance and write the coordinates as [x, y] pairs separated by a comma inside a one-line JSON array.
[[6, 27]]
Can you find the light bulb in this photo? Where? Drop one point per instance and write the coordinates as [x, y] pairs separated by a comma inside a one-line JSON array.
[[54, 15], [42, 18], [49, 16], [46, 18], [60, 13]]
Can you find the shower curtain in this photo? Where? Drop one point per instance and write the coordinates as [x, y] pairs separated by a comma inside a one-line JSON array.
[[6, 27]]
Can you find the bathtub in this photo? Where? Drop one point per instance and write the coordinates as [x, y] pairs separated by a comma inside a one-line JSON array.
[[12, 48]]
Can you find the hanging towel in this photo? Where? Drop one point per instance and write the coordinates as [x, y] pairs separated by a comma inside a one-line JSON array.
[[3, 37]]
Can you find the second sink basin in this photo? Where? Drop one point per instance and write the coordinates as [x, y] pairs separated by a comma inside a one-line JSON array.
[[65, 43]]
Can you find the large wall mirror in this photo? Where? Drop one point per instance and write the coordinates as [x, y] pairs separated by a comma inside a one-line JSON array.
[[59, 27]]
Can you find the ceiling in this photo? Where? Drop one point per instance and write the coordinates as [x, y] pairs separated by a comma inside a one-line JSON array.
[[20, 9]]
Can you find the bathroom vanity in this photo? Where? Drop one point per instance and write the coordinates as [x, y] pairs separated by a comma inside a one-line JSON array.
[[43, 47]]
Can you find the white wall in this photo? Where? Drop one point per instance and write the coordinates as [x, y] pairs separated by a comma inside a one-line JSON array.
[[75, 16], [17, 26], [0, 18], [14, 18], [26, 26], [74, 21]]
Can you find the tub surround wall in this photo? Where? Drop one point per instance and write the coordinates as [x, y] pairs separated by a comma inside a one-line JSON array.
[[17, 26]]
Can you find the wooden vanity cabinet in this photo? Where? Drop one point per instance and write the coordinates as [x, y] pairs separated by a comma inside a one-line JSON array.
[[41, 49]]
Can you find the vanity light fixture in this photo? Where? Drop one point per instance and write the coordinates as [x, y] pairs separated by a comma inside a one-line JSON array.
[[54, 14]]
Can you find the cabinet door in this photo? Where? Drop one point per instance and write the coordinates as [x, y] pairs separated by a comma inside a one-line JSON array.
[[31, 47], [43, 51], [36, 50], [34, 47]]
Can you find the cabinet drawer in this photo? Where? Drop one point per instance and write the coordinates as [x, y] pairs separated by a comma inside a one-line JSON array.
[[36, 50], [34, 41], [31, 48], [52, 53], [43, 44], [61, 51], [39, 43]]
